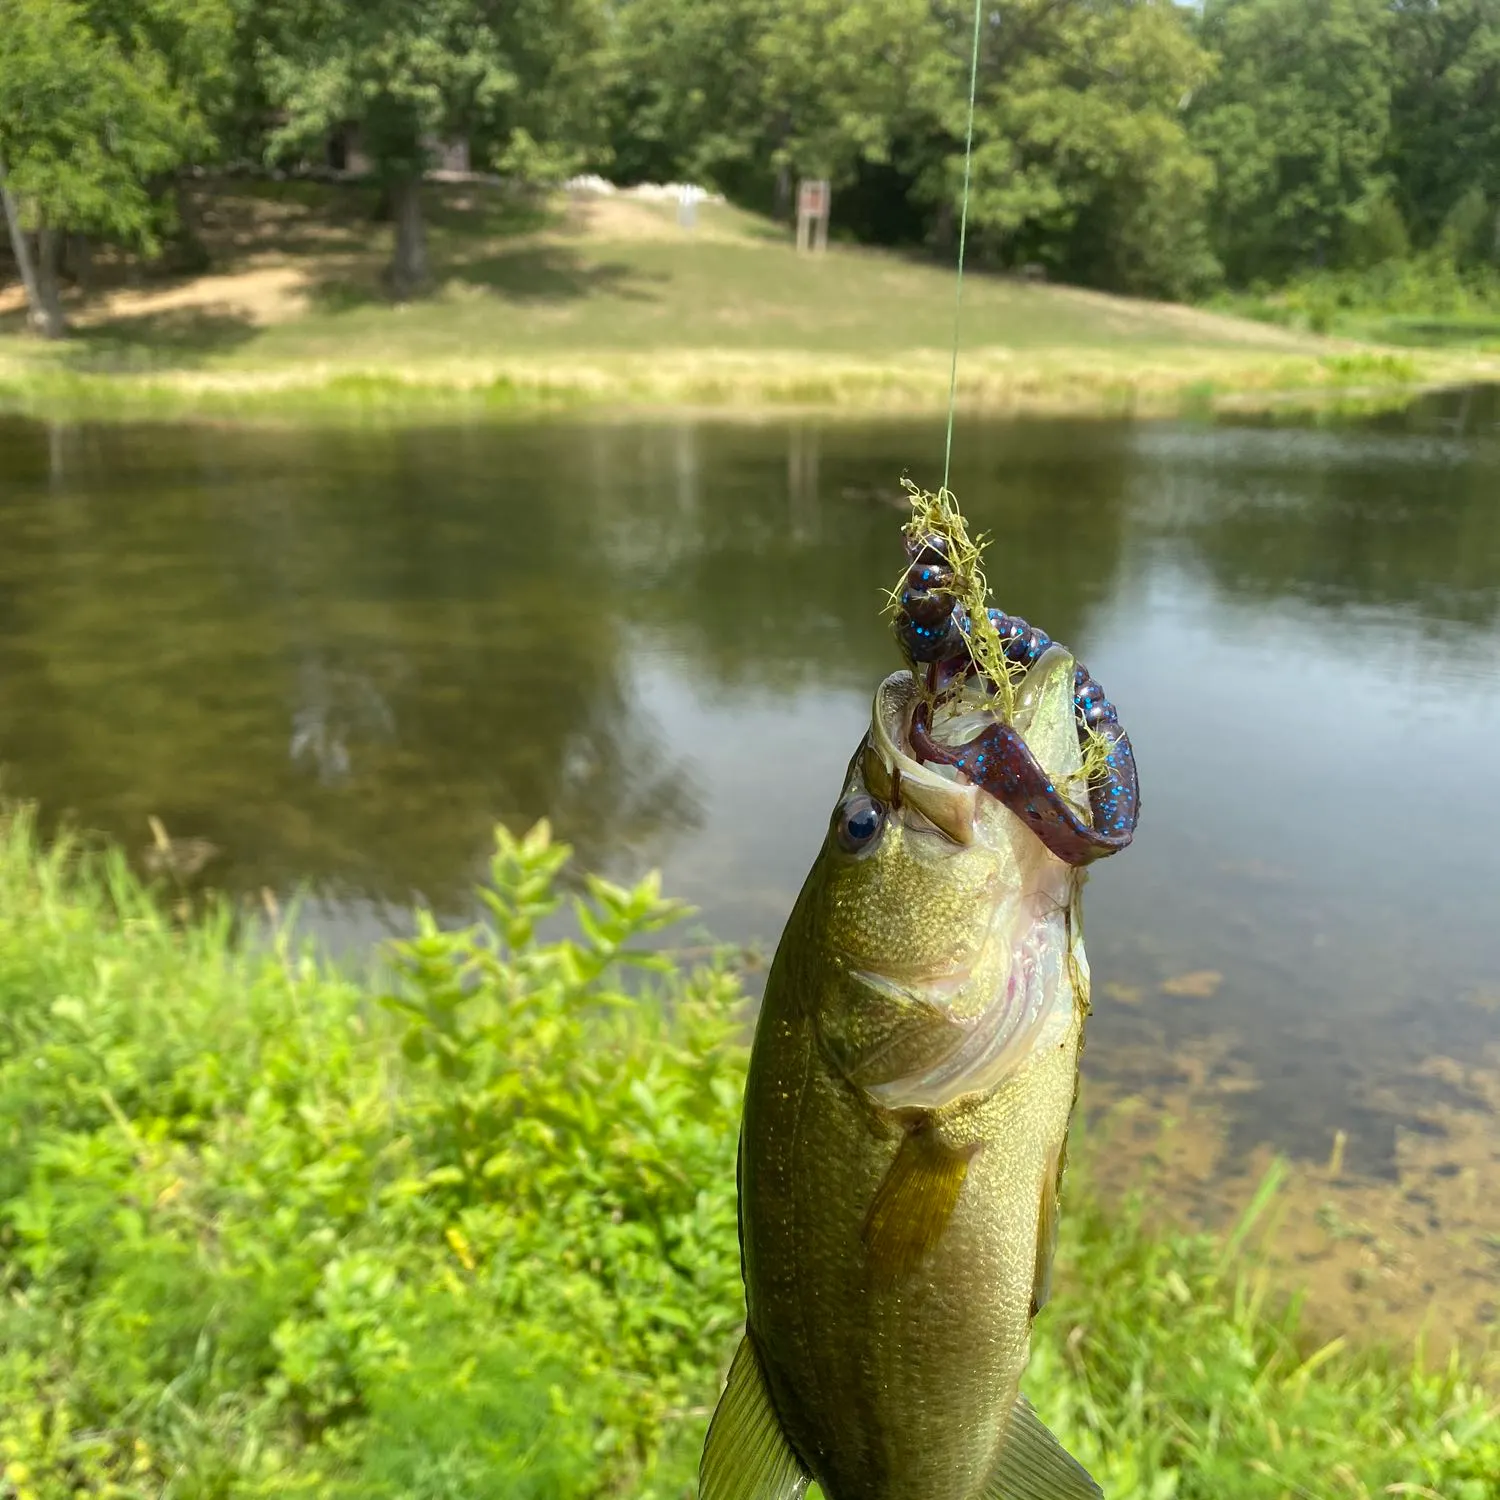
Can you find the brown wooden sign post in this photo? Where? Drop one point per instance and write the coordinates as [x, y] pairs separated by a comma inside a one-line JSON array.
[[814, 200]]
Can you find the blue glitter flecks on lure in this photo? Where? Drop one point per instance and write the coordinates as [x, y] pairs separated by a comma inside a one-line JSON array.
[[931, 628]]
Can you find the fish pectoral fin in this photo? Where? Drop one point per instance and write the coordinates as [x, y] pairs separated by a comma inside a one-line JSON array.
[[1035, 1466], [746, 1455], [1048, 1219], [913, 1204]]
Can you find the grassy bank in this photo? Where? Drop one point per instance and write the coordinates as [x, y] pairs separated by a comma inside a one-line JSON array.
[[266, 1232], [609, 303]]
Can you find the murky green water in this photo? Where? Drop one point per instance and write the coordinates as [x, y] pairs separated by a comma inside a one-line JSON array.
[[342, 656]]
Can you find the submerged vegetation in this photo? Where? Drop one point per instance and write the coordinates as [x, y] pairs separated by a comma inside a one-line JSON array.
[[268, 1230]]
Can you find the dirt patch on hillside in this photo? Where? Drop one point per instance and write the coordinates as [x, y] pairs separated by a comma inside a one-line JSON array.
[[628, 219], [260, 296]]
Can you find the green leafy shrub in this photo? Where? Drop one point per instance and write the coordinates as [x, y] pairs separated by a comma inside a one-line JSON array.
[[1376, 234], [1469, 234], [1377, 299], [261, 1235], [258, 1235]]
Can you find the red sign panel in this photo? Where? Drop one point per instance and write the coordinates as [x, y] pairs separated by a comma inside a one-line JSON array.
[[812, 200]]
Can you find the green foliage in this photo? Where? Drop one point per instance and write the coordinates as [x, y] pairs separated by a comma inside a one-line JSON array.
[[1427, 290], [1375, 234], [263, 1236], [719, 89], [1177, 1372], [1081, 153], [684, 96], [1445, 129], [1469, 233], [841, 80], [1144, 146], [1296, 123], [514, 79], [251, 1247], [403, 72], [97, 100]]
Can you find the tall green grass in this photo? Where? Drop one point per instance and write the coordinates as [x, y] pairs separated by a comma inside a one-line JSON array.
[[1164, 382], [266, 1231]]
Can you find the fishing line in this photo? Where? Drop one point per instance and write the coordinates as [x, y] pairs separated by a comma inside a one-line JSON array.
[[963, 235]]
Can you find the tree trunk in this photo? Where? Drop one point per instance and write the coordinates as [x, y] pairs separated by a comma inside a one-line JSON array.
[[80, 261], [944, 236], [782, 209], [49, 297], [24, 263], [408, 270], [189, 253]]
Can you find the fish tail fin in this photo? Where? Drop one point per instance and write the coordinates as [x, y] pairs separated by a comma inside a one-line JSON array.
[[746, 1455], [1035, 1466]]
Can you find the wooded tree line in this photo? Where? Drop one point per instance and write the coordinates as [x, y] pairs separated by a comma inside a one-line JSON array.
[[1138, 145]]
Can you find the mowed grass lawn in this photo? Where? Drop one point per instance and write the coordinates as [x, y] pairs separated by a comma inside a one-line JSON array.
[[610, 300]]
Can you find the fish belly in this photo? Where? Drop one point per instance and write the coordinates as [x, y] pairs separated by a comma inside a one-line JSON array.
[[893, 1389]]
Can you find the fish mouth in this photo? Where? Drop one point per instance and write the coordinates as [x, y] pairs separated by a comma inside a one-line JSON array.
[[894, 771], [951, 761], [936, 1032]]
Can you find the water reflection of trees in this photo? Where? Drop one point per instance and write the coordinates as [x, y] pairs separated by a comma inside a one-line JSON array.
[[341, 657], [1393, 519], [760, 557]]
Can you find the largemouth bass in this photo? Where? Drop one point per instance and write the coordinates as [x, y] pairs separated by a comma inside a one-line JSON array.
[[906, 1115]]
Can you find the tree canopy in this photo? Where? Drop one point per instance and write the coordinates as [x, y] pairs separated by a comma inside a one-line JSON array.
[[1138, 145], [96, 101], [507, 76]]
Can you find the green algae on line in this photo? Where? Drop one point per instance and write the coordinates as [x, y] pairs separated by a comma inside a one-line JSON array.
[[936, 518]]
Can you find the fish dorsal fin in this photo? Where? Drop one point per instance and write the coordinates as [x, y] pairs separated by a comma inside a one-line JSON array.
[[913, 1204], [747, 1456], [1035, 1466]]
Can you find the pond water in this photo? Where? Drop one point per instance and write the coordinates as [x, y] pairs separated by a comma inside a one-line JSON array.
[[341, 656]]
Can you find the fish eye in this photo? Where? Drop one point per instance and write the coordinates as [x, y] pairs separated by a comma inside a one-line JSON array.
[[857, 823]]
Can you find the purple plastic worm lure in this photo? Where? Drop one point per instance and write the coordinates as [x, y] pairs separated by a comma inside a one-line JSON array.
[[931, 628]]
